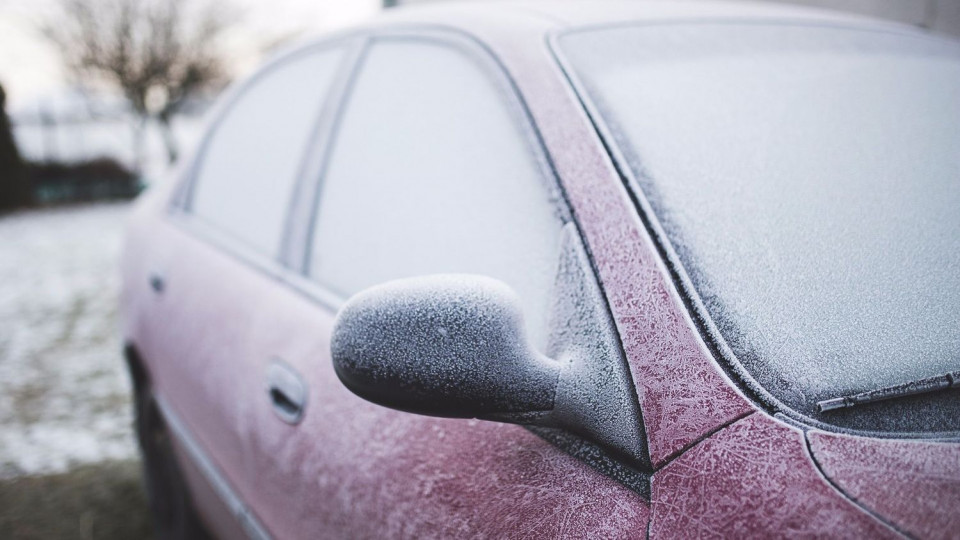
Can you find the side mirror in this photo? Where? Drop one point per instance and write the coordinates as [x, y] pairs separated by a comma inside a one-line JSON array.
[[447, 345], [454, 346]]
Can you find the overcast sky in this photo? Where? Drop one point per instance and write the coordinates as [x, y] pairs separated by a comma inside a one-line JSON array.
[[30, 70]]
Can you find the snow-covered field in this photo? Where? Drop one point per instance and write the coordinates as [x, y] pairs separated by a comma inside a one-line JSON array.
[[64, 392]]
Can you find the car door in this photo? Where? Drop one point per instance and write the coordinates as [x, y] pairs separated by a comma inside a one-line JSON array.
[[432, 167], [214, 254]]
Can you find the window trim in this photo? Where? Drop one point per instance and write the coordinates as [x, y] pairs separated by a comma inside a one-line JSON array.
[[492, 68], [316, 154], [179, 210], [289, 266]]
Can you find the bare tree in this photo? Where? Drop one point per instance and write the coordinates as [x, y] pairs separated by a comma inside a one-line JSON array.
[[158, 53]]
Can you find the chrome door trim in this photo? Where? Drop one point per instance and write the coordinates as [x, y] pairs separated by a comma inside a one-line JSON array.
[[250, 524]]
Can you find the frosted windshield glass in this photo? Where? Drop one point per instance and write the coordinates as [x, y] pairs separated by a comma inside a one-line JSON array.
[[245, 180], [809, 181], [431, 173]]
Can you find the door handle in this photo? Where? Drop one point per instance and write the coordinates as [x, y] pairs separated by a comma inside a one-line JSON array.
[[287, 392], [157, 283]]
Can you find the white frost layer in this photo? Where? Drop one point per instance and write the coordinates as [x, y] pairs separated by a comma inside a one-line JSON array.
[[64, 393]]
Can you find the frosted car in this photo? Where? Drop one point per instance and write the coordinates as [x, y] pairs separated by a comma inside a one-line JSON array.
[[561, 270]]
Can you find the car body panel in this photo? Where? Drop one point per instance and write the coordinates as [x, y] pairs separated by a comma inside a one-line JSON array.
[[914, 484], [354, 469], [210, 494], [351, 468], [197, 354], [754, 479], [201, 393]]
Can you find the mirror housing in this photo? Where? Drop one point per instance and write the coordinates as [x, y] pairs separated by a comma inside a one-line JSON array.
[[454, 346], [443, 345]]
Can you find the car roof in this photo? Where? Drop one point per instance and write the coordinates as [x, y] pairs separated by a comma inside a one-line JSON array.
[[534, 15]]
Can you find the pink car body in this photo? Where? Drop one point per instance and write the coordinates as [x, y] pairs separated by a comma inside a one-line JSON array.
[[720, 465]]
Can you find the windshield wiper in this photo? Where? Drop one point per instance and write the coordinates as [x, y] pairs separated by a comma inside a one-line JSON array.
[[921, 386]]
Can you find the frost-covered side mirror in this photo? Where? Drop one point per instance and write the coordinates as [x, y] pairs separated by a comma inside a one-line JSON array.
[[445, 345], [454, 346]]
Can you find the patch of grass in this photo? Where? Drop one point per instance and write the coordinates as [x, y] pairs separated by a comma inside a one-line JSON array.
[[102, 501], [110, 403], [28, 400], [71, 317]]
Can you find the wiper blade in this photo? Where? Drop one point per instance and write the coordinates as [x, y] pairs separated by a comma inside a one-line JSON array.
[[922, 386]]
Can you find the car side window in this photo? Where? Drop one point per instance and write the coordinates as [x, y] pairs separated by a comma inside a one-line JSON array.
[[434, 170], [246, 175]]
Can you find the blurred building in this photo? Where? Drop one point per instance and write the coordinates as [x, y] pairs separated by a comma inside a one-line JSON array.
[[938, 15]]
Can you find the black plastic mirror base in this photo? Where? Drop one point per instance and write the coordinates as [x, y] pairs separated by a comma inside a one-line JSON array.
[[596, 397]]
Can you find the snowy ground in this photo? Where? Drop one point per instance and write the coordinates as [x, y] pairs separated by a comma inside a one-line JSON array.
[[64, 394]]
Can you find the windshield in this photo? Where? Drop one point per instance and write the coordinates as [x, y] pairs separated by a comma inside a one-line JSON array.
[[807, 180]]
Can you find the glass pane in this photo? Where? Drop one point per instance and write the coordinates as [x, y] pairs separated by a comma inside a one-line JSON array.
[[431, 173], [809, 180], [245, 181]]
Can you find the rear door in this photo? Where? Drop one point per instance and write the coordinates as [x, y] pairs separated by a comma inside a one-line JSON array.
[[432, 167], [215, 263]]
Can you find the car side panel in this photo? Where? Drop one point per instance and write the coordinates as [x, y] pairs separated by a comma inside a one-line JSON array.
[[355, 469], [914, 484], [350, 468], [754, 479], [220, 520], [191, 334], [137, 308]]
